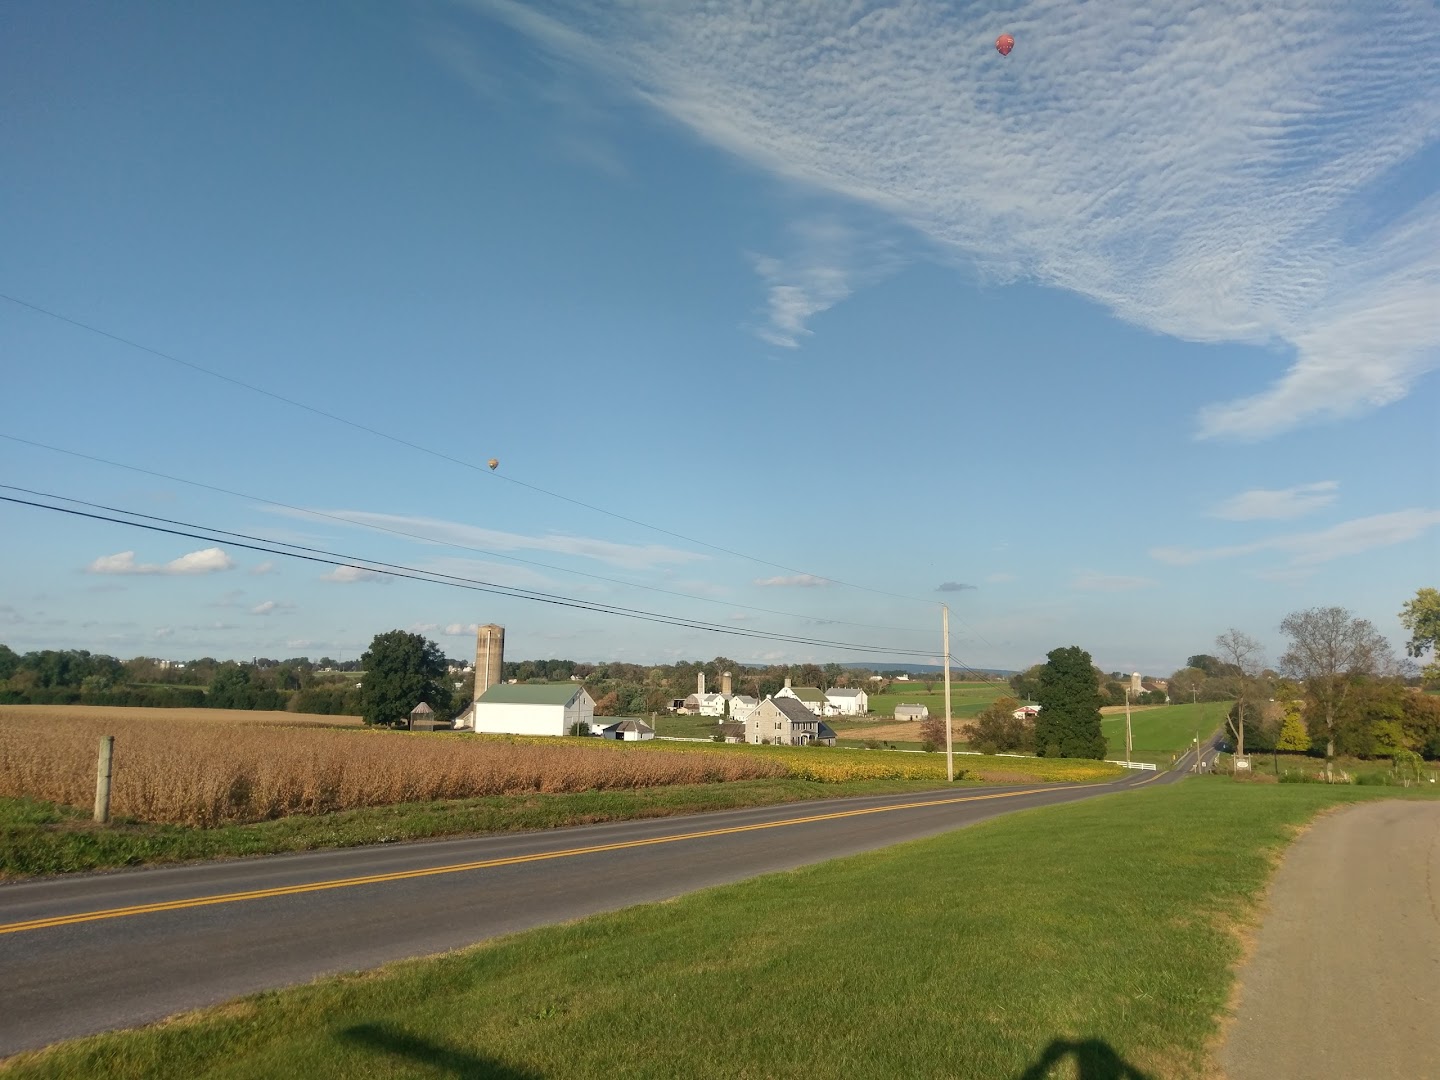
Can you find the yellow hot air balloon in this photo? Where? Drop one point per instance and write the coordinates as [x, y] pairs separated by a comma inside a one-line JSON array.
[[493, 462]]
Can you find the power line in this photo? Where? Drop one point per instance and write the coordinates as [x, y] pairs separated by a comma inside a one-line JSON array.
[[444, 543], [337, 559], [483, 470]]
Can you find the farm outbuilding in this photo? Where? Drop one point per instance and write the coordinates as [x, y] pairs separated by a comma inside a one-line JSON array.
[[912, 712], [532, 709], [628, 731]]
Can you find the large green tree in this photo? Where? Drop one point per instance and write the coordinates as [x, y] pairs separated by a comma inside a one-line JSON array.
[[1069, 700], [1421, 616], [402, 670], [1330, 652]]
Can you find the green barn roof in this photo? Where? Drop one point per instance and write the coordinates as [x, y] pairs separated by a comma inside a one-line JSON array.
[[531, 694]]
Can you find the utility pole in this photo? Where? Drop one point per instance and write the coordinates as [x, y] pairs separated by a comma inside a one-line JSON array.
[[1127, 727], [949, 740]]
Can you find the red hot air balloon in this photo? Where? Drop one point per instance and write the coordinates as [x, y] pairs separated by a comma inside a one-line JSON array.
[[1003, 44]]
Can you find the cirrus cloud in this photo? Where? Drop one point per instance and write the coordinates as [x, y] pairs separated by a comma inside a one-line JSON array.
[[799, 581], [1264, 505], [1213, 179]]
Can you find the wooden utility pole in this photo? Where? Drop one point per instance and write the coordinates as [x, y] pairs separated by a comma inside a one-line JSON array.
[[949, 739], [102, 779]]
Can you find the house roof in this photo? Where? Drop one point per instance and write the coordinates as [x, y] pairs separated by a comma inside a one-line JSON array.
[[741, 699], [843, 692], [826, 731], [732, 727], [631, 725], [531, 694], [807, 693], [795, 710], [911, 708], [422, 708]]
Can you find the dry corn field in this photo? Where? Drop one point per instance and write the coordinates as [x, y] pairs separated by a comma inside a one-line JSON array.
[[209, 716], [197, 772]]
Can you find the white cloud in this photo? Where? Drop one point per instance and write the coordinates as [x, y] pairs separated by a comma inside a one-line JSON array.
[[1312, 548], [349, 575], [271, 607], [804, 581], [827, 262], [458, 534], [456, 629], [1202, 171], [1263, 505], [1091, 581], [208, 561], [205, 561], [260, 569]]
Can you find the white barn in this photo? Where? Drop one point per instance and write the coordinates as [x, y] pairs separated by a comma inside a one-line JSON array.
[[848, 702], [531, 709]]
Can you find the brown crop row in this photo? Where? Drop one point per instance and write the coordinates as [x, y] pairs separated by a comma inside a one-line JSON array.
[[194, 772]]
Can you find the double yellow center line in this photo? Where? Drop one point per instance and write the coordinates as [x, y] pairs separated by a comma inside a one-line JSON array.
[[484, 864]]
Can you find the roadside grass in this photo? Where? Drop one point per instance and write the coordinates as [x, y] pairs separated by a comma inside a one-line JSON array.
[[39, 837], [1165, 730], [1101, 935]]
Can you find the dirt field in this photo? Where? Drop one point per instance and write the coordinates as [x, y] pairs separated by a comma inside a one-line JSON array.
[[212, 716], [884, 730]]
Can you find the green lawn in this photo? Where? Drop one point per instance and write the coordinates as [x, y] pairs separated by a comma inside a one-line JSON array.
[[1157, 734], [966, 698], [681, 727], [1100, 934]]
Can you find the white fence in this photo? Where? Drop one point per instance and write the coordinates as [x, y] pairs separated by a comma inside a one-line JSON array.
[[1133, 764]]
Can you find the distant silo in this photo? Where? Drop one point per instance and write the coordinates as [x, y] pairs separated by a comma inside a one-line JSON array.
[[1135, 685], [700, 684], [489, 657], [726, 685]]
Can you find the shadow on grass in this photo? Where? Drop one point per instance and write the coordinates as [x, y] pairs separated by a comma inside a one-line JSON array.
[[459, 1063], [1094, 1060]]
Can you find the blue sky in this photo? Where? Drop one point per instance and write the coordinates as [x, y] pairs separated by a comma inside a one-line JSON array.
[[1132, 333]]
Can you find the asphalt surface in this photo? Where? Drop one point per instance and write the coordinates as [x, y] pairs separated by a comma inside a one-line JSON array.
[[1344, 981], [86, 953]]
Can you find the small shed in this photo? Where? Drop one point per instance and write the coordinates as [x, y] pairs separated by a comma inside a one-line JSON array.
[[422, 718], [912, 712], [628, 731]]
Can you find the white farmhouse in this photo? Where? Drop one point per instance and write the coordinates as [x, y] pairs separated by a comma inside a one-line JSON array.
[[741, 707], [531, 709], [810, 696], [848, 702]]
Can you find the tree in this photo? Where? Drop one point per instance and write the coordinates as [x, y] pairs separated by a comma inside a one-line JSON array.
[[9, 662], [932, 732], [1026, 684], [997, 728], [1293, 736], [402, 670], [1245, 657], [231, 689], [1421, 616], [1069, 720], [1329, 650]]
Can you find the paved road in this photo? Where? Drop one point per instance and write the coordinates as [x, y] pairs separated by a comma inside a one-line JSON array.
[[1345, 978], [93, 952]]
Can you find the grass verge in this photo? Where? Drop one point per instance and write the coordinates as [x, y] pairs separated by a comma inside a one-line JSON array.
[[1093, 937], [43, 838]]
